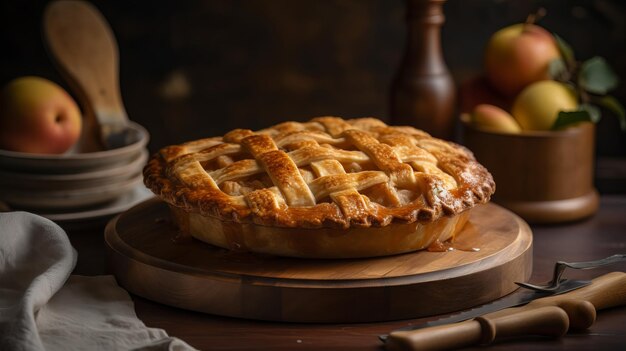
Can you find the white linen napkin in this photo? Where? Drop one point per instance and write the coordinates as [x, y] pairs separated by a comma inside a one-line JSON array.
[[42, 307]]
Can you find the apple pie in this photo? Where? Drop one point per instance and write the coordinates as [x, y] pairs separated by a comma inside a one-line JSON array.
[[326, 188]]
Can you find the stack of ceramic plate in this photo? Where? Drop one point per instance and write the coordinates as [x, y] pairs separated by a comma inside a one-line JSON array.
[[75, 185]]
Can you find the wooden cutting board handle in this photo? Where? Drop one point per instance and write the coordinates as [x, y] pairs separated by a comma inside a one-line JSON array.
[[550, 316]]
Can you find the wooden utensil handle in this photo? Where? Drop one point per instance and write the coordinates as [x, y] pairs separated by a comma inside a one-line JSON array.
[[550, 316], [442, 337], [606, 291], [547, 321]]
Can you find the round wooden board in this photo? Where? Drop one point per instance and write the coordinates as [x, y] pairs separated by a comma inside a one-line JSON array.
[[193, 275]]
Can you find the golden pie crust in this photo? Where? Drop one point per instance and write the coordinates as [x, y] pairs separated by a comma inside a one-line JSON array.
[[328, 187]]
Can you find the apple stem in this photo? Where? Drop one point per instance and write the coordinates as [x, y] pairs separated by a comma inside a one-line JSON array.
[[534, 17], [584, 96]]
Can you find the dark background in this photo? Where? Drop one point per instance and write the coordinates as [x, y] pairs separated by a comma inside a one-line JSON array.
[[191, 69]]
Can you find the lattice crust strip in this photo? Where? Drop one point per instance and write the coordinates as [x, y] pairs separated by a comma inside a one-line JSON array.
[[325, 172]]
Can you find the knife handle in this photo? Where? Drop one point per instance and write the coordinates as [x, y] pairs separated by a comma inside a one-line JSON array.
[[606, 291], [579, 307], [549, 321]]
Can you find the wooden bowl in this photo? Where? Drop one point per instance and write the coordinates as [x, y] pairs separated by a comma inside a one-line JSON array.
[[76, 162], [543, 176]]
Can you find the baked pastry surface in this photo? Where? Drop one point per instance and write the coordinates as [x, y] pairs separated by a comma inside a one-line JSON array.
[[325, 173]]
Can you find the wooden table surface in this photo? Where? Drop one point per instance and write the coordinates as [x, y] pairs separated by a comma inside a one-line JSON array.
[[602, 235]]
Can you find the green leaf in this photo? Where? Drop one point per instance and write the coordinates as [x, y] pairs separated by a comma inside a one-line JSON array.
[[557, 70], [594, 112], [566, 51], [611, 104], [597, 77], [566, 118]]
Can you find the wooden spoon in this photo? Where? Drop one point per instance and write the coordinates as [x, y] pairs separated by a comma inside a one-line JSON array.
[[84, 48]]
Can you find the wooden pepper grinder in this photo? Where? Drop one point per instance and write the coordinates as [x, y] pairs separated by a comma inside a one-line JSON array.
[[422, 92]]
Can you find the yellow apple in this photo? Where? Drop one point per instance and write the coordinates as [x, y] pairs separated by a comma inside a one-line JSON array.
[[493, 118], [518, 55], [38, 116], [539, 104]]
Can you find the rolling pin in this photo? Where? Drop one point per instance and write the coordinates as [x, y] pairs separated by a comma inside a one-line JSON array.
[[549, 316]]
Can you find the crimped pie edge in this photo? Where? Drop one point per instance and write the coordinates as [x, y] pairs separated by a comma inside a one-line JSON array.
[[476, 187]]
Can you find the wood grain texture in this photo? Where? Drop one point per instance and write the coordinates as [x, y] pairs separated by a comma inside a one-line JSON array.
[[197, 276], [86, 53], [596, 237], [545, 177]]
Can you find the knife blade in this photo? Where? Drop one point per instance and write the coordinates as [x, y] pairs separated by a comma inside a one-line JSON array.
[[517, 298]]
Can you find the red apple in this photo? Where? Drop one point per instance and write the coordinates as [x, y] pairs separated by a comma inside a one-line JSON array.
[[38, 116], [519, 55]]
